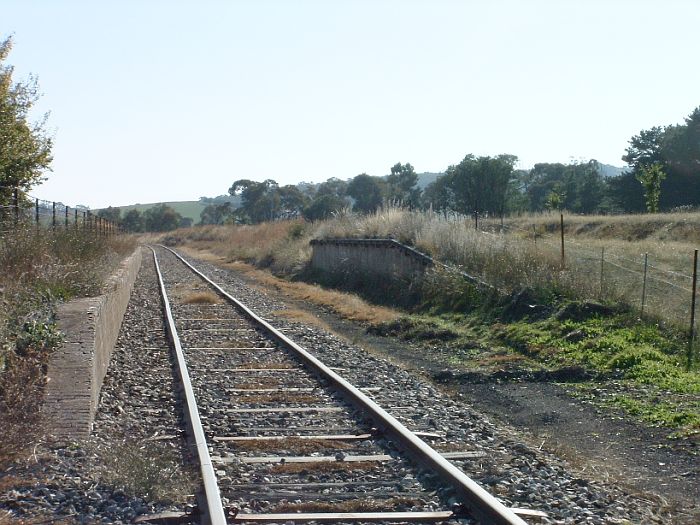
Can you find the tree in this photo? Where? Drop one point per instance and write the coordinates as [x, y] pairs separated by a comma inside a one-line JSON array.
[[260, 201], [132, 221], [676, 150], [367, 192], [401, 185], [216, 213], [577, 187], [332, 186], [25, 148], [651, 177], [111, 214], [161, 218], [292, 202], [438, 195], [480, 185], [324, 207]]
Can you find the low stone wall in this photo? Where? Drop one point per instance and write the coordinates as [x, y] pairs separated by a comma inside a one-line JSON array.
[[377, 256], [90, 328]]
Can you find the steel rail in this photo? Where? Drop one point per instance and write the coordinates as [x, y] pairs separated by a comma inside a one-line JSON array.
[[482, 505], [214, 508]]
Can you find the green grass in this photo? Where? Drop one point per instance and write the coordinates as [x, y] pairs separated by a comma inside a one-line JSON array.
[[639, 367]]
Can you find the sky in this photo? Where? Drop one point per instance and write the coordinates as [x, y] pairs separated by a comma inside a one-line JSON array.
[[155, 101]]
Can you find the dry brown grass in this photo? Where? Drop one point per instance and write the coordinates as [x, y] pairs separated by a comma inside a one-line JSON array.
[[526, 254], [21, 395], [346, 305], [323, 467], [293, 445], [201, 298]]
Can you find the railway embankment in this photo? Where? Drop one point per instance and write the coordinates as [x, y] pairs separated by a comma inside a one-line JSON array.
[[90, 327]]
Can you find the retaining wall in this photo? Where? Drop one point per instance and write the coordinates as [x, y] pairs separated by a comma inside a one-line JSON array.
[[90, 327], [378, 256]]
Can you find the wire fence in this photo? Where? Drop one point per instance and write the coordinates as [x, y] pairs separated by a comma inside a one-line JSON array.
[[645, 282], [21, 210]]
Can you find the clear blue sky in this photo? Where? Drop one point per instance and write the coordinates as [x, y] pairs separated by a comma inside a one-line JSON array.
[[167, 100]]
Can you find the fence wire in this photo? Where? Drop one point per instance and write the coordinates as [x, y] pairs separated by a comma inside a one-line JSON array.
[[644, 283], [19, 210]]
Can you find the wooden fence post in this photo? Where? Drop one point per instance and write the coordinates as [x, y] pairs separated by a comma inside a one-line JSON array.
[[561, 228], [644, 283], [602, 269], [691, 339]]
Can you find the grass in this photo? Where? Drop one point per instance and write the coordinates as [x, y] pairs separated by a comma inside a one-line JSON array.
[[40, 269], [201, 298], [149, 470]]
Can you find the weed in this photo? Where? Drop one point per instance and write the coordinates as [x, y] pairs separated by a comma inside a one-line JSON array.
[[201, 298], [150, 470]]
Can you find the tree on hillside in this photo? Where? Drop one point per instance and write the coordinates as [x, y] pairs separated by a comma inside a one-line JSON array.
[[292, 202], [676, 150], [111, 214], [25, 148], [367, 191], [260, 201], [438, 196], [401, 185], [577, 187], [332, 186], [161, 218], [324, 207], [132, 221], [216, 213], [480, 185]]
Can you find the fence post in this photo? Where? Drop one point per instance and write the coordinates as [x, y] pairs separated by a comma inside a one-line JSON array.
[[602, 269], [476, 220], [84, 221], [561, 228], [534, 235], [644, 283], [691, 339], [15, 204], [36, 212], [53, 215], [75, 219], [66, 219]]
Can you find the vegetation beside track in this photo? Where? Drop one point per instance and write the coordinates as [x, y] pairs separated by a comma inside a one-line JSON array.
[[40, 269], [546, 323]]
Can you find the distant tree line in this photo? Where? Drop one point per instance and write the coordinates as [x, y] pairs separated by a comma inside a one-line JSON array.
[[159, 218], [664, 174]]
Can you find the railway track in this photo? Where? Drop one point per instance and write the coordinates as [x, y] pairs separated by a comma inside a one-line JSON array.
[[282, 437]]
